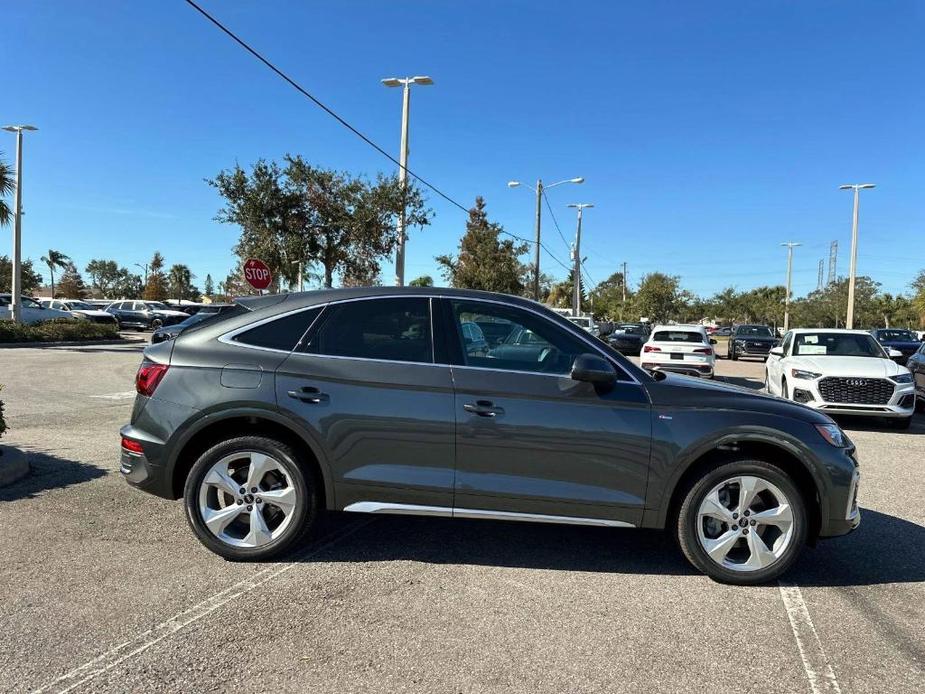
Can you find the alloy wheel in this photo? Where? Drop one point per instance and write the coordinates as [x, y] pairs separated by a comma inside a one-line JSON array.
[[247, 499], [745, 523]]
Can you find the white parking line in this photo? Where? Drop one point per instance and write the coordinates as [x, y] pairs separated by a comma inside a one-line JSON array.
[[818, 670], [124, 395], [119, 654]]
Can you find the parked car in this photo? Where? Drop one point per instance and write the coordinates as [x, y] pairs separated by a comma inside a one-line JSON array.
[[31, 311], [474, 339], [904, 341], [684, 349], [169, 332], [367, 400], [750, 341], [586, 323], [80, 309], [916, 366], [628, 338], [144, 315], [845, 372]]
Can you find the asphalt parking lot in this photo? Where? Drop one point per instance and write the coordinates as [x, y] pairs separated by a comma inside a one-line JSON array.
[[106, 589]]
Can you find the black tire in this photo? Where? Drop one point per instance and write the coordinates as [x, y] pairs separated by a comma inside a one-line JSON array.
[[687, 522], [732, 355], [156, 323], [919, 403], [305, 512]]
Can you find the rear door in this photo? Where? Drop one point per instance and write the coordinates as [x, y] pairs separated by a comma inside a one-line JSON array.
[[531, 441], [366, 384]]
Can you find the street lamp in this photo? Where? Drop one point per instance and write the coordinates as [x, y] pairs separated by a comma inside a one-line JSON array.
[[145, 268], [406, 83], [790, 246], [16, 288], [856, 187], [539, 207], [576, 256]]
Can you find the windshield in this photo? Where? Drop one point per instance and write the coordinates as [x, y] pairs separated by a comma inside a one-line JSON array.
[[30, 303], [753, 331], [80, 306], [677, 336], [896, 336], [836, 345], [583, 322], [630, 329], [157, 306]]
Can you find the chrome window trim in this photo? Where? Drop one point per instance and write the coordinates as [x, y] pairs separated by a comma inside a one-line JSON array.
[[227, 338], [472, 513]]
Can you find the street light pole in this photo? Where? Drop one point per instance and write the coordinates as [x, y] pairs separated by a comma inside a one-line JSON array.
[[576, 256], [16, 288], [403, 164], [539, 190], [790, 246], [857, 187], [145, 268]]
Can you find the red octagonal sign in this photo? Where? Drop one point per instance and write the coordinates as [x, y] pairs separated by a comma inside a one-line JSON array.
[[257, 273]]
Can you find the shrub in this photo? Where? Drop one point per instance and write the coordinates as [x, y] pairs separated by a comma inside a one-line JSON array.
[[2, 420], [60, 330]]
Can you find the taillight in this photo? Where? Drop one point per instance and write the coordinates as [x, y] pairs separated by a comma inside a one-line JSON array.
[[132, 446], [703, 350], [148, 376], [651, 348]]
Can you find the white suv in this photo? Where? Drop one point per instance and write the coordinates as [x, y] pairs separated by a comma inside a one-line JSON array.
[[841, 372], [31, 311], [685, 349]]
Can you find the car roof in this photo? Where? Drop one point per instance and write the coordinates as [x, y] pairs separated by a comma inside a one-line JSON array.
[[698, 328], [845, 331]]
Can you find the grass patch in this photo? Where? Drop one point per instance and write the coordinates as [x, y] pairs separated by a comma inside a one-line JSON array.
[[60, 330]]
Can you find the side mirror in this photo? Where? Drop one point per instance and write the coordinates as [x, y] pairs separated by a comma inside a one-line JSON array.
[[712, 341], [777, 351], [894, 353], [591, 368]]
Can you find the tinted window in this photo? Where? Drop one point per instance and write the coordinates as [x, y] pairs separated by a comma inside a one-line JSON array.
[[678, 336], [836, 344], [753, 331], [530, 342], [283, 333], [389, 329]]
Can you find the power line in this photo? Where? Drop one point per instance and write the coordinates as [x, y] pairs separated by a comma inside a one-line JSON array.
[[556, 221], [304, 92]]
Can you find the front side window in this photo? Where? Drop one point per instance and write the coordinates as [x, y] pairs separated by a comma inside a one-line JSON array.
[[383, 329], [529, 343]]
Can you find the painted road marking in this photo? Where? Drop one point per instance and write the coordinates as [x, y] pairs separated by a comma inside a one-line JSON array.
[[119, 654], [818, 670], [124, 395]]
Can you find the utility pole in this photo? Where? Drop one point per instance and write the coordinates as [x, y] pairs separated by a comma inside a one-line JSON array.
[[403, 165], [623, 305], [576, 256], [790, 246], [833, 262], [856, 187], [819, 280], [16, 288], [145, 268]]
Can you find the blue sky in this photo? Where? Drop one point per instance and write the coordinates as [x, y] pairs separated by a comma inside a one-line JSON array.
[[708, 133]]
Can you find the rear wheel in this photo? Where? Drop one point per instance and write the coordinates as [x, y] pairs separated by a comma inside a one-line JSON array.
[[156, 323], [250, 498], [743, 523]]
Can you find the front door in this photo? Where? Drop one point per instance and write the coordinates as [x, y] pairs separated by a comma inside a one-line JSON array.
[[367, 386], [530, 440]]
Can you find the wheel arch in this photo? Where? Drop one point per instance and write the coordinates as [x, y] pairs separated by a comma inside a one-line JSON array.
[[228, 424]]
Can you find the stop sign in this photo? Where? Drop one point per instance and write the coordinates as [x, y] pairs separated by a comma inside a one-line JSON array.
[[257, 273]]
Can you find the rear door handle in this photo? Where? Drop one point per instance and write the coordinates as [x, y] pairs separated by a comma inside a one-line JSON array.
[[483, 408], [309, 394]]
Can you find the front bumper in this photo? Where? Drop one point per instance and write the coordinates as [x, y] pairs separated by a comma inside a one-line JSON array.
[[747, 350], [901, 404], [850, 517]]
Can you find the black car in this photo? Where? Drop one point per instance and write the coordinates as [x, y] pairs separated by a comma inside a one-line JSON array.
[[628, 338], [750, 341], [169, 332], [144, 315], [904, 341], [369, 400]]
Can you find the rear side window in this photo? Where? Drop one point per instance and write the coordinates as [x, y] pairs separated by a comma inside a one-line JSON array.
[[677, 336], [385, 329], [282, 334]]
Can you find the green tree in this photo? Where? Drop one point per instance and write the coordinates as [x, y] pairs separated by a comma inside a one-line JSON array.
[[71, 285], [422, 281], [7, 186], [485, 261], [607, 298], [52, 260], [660, 297], [918, 297], [127, 285], [157, 287], [208, 286], [181, 283], [103, 275], [31, 280]]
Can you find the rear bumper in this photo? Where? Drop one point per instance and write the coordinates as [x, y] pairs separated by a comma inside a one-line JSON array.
[[697, 370], [140, 469]]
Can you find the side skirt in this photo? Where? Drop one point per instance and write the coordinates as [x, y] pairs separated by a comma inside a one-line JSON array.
[[445, 512]]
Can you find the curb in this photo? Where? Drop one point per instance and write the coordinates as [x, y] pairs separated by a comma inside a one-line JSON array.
[[67, 343], [13, 465]]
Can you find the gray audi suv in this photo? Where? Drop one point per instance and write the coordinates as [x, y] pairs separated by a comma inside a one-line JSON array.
[[373, 400]]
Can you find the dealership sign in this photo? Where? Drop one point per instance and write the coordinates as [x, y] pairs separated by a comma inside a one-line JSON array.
[[257, 273]]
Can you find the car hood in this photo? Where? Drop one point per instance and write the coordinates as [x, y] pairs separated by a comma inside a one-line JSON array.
[[857, 367], [683, 391], [88, 312]]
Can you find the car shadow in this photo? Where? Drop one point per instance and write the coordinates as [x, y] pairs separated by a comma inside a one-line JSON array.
[[852, 560], [751, 383], [49, 472], [850, 424]]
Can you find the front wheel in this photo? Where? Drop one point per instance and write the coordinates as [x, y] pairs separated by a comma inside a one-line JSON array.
[[249, 498], [743, 523]]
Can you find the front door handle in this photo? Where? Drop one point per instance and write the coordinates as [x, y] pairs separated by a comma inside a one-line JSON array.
[[483, 408], [309, 394]]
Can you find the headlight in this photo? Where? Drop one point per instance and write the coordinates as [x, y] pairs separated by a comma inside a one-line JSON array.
[[739, 342], [902, 378], [806, 375], [833, 434]]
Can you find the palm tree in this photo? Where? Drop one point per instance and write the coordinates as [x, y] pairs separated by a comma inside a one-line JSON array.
[[180, 279], [7, 185], [52, 260]]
